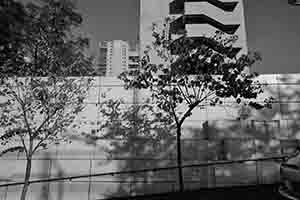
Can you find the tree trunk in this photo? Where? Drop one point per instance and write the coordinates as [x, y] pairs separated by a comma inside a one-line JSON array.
[[26, 179], [179, 159]]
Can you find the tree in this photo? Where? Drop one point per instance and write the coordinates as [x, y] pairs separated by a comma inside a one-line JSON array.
[[12, 21], [46, 45], [39, 99], [194, 74]]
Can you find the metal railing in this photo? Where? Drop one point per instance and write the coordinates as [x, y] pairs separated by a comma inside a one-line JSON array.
[[70, 178]]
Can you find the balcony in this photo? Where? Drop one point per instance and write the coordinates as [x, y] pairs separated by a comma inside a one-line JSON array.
[[178, 25], [177, 6]]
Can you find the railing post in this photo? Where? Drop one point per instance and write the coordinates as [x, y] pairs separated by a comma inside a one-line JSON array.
[[49, 176], [214, 176], [5, 194], [90, 180], [130, 188], [257, 174], [256, 162]]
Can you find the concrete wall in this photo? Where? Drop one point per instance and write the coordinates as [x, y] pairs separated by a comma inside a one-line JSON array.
[[264, 133]]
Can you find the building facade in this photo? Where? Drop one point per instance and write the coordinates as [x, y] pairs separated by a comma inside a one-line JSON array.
[[210, 134], [115, 57], [197, 19]]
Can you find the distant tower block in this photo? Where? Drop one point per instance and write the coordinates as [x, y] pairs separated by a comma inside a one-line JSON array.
[[115, 57], [197, 18]]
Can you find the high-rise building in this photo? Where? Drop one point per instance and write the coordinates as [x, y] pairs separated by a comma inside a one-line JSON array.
[[133, 59], [102, 59], [197, 18], [115, 57]]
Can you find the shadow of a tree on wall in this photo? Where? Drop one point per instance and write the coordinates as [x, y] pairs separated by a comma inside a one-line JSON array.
[[144, 138], [47, 164]]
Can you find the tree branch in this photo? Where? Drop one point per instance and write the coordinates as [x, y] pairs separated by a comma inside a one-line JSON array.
[[198, 96], [187, 92], [208, 95], [24, 145], [26, 120], [192, 106], [188, 112], [23, 110], [11, 149], [194, 91], [174, 113], [184, 96], [47, 136], [46, 120], [40, 142], [14, 95]]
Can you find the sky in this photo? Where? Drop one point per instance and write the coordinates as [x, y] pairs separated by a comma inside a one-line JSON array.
[[110, 20], [273, 29]]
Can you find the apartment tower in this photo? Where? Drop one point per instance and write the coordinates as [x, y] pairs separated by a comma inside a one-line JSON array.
[[197, 18], [115, 57]]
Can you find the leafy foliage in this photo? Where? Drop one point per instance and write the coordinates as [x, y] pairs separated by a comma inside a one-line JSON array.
[[194, 74], [197, 76], [37, 110], [12, 25], [46, 46], [39, 106], [40, 55]]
